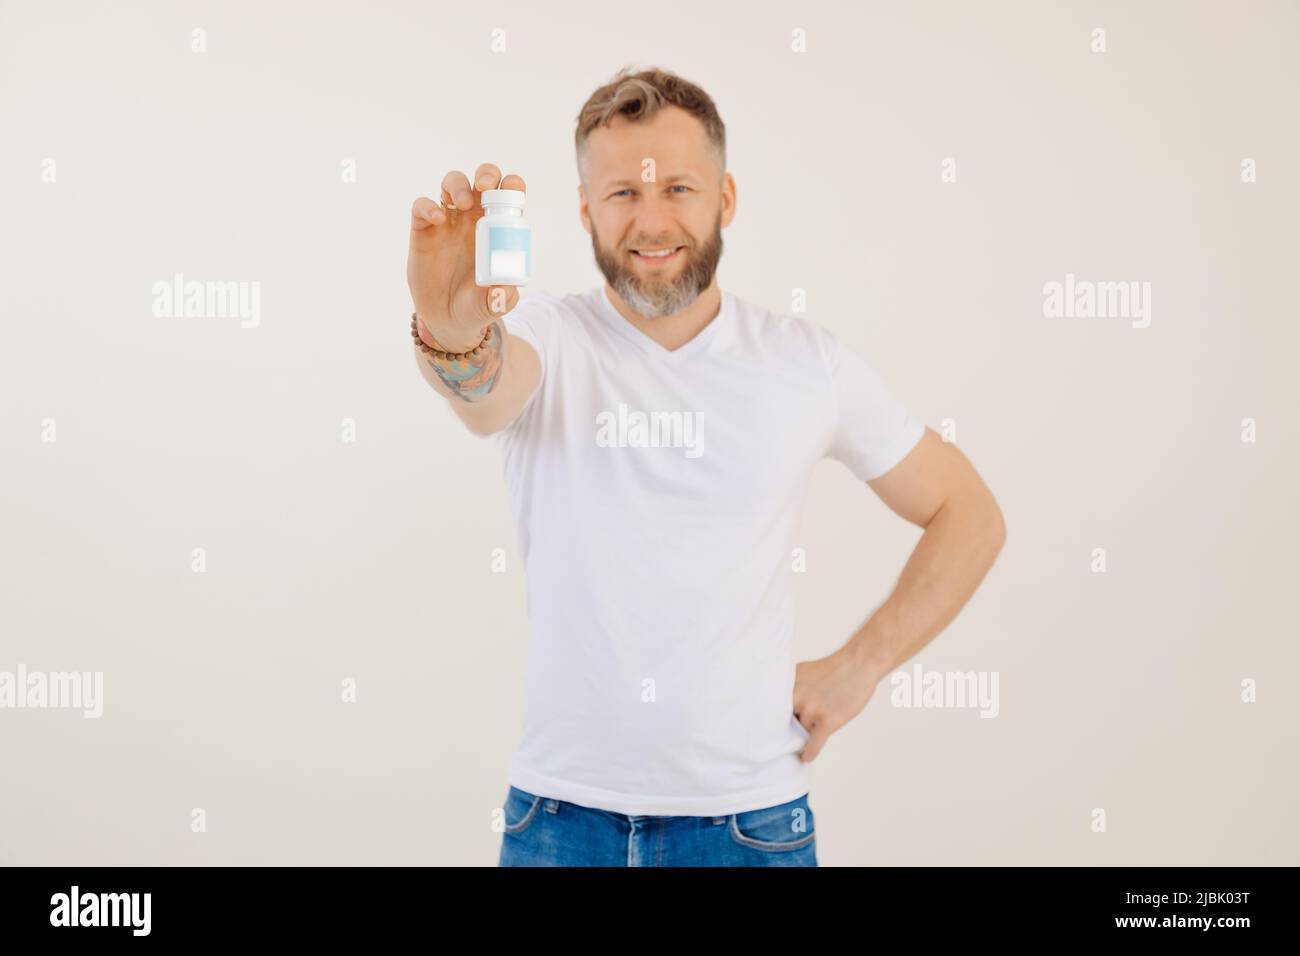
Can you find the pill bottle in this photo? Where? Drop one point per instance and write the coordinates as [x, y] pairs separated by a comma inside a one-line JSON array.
[[503, 240]]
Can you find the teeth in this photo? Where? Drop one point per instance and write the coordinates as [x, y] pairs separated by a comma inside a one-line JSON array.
[[656, 255]]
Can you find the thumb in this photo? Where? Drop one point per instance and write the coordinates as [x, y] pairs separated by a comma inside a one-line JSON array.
[[813, 745]]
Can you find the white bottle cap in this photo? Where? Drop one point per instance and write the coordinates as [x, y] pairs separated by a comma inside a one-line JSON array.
[[503, 197]]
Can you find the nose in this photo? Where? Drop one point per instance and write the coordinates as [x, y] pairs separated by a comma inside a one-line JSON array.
[[655, 222]]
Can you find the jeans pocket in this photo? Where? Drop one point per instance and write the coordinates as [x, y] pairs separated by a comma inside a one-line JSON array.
[[520, 809], [786, 826]]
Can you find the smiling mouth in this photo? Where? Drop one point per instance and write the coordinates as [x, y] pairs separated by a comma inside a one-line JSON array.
[[667, 254]]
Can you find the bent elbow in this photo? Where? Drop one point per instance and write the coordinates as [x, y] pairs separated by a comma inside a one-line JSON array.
[[998, 532]]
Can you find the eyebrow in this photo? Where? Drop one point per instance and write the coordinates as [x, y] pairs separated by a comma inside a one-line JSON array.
[[676, 178]]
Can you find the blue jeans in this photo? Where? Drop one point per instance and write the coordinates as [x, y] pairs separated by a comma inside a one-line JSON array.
[[542, 831]]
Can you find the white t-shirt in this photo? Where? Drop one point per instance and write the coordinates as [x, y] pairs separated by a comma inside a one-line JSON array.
[[656, 495]]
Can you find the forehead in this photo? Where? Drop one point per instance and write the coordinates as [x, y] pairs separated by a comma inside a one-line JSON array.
[[674, 139]]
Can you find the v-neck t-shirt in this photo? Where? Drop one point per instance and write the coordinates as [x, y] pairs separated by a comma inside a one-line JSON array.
[[656, 495]]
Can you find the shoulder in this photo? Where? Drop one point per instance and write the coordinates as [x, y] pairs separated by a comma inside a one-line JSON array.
[[795, 337], [540, 306], [537, 315]]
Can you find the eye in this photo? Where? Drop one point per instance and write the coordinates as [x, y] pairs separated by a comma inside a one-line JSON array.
[[619, 193], [679, 186]]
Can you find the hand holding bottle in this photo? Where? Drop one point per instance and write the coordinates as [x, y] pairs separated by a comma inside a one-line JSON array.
[[440, 266]]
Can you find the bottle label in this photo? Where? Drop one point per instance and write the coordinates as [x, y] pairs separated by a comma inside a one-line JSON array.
[[510, 253]]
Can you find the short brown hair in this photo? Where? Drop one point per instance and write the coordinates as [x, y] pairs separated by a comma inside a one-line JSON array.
[[638, 96]]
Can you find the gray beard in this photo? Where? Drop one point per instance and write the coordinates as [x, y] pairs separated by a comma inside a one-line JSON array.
[[657, 298], [669, 300]]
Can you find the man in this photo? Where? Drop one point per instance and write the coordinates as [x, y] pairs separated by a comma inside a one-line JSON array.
[[658, 435]]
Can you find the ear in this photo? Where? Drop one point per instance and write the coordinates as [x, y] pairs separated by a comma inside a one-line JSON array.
[[583, 212], [728, 200]]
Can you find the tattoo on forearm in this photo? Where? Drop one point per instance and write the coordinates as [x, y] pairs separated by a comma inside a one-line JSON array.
[[474, 376]]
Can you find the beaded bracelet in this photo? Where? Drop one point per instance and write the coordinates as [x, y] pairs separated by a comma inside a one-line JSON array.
[[454, 356]]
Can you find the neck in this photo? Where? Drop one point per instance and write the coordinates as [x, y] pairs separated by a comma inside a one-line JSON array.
[[673, 331]]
